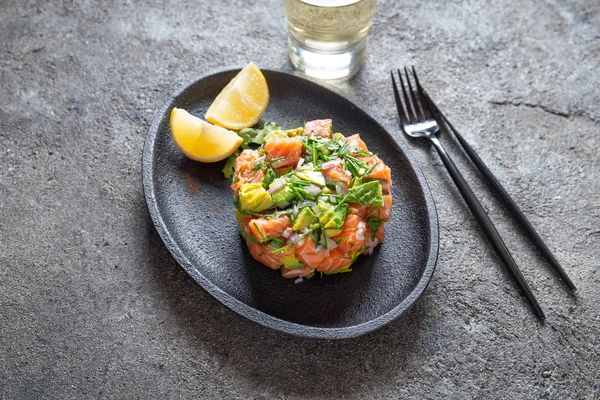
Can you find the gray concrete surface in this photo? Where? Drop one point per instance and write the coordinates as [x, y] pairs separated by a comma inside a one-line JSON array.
[[92, 306]]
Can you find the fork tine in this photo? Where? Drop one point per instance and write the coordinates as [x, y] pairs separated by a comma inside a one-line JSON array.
[[411, 116], [415, 101], [423, 99], [399, 107]]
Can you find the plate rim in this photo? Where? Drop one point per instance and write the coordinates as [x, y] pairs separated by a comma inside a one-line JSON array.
[[241, 308]]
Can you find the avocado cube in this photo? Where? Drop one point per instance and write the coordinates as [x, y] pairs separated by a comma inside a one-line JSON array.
[[307, 174], [325, 149], [294, 132], [254, 198], [305, 219], [291, 262], [368, 194], [338, 136], [282, 171], [274, 134], [331, 217], [283, 196]]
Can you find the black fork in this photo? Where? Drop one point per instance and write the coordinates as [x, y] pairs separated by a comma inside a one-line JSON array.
[[416, 120]]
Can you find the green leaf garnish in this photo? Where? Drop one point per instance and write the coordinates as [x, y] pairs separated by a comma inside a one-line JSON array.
[[256, 135], [229, 167]]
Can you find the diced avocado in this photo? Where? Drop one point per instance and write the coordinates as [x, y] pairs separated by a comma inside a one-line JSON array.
[[305, 219], [294, 132], [307, 174], [338, 136], [282, 171], [254, 198], [368, 194], [274, 134], [291, 262], [283, 196], [331, 217], [324, 149]]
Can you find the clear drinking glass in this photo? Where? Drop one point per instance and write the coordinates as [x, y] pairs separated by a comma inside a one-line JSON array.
[[327, 38]]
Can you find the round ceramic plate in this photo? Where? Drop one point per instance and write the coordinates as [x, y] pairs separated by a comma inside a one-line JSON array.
[[191, 207]]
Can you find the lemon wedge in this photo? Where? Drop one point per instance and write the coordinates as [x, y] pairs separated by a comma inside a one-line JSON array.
[[242, 102], [199, 140]]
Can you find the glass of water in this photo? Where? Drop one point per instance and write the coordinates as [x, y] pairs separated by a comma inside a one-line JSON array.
[[327, 38]]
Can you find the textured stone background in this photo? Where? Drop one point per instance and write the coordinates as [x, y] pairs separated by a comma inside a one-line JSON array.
[[93, 306]]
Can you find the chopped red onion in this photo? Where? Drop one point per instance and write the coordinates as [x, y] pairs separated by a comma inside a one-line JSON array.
[[287, 233], [372, 245], [313, 189], [331, 244], [319, 248], [279, 163], [359, 236], [299, 280], [300, 162], [331, 164], [295, 238], [361, 227]]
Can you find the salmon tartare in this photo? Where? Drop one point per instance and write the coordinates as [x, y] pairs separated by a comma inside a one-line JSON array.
[[310, 200]]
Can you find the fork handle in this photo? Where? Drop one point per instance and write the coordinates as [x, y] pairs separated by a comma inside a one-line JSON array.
[[513, 207], [486, 224]]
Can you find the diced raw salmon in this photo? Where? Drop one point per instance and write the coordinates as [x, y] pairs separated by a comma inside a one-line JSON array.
[[335, 174], [319, 127], [245, 160], [249, 176], [263, 229], [385, 210], [356, 141], [359, 210], [283, 152], [380, 171], [307, 253], [264, 254], [245, 171], [338, 259], [352, 236], [386, 187]]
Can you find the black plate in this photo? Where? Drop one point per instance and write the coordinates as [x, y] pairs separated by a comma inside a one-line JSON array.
[[190, 204]]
